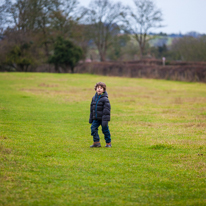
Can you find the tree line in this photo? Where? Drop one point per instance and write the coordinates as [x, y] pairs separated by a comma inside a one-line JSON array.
[[62, 32]]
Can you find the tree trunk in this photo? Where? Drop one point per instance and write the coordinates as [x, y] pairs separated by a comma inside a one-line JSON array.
[[21, 67], [26, 68], [57, 68], [141, 53], [46, 49], [102, 56]]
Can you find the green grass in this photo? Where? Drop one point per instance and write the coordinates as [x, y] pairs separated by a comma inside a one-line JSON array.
[[158, 133]]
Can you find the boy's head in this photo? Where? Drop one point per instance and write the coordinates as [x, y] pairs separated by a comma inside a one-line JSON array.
[[100, 87]]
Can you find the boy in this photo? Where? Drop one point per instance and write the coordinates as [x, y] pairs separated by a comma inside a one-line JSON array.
[[100, 115]]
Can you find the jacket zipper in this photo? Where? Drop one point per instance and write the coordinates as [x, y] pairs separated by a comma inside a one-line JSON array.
[[96, 107]]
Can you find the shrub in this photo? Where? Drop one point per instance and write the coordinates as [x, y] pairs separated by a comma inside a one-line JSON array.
[[66, 55]]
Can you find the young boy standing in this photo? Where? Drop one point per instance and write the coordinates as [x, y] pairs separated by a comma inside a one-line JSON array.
[[100, 115]]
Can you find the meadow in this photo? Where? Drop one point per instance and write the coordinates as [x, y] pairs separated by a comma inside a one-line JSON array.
[[158, 131]]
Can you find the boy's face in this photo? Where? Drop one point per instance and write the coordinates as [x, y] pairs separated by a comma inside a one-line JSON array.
[[100, 90]]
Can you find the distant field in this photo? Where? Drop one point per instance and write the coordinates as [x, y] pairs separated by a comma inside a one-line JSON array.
[[161, 40], [158, 133]]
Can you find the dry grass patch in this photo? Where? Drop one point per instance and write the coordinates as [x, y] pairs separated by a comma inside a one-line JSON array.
[[3, 137], [4, 150], [47, 85], [188, 143]]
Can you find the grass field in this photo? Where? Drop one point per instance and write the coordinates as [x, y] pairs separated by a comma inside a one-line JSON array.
[[158, 131]]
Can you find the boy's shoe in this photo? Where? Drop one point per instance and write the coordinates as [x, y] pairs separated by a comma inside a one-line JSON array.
[[108, 145], [96, 145]]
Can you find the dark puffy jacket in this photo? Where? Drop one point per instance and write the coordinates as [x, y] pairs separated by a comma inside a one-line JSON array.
[[100, 108]]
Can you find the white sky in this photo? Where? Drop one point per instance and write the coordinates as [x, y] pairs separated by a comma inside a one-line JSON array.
[[179, 15]]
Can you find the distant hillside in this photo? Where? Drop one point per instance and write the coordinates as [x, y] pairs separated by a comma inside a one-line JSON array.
[[162, 38]]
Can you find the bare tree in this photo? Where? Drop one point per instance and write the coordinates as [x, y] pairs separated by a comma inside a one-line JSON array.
[[4, 6], [66, 17], [32, 16], [45, 19], [102, 19], [141, 19], [2, 10]]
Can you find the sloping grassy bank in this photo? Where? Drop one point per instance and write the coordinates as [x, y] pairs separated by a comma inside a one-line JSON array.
[[158, 135]]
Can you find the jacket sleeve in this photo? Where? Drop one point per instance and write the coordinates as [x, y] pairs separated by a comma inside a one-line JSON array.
[[90, 118], [106, 113]]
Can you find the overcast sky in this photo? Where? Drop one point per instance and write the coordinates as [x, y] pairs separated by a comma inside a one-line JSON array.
[[179, 15]]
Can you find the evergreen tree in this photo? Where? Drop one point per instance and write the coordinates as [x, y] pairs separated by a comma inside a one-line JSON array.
[[66, 55]]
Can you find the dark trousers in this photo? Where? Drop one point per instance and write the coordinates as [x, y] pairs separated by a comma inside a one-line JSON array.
[[105, 130]]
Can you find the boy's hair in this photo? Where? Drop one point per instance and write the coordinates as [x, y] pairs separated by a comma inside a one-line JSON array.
[[101, 84]]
